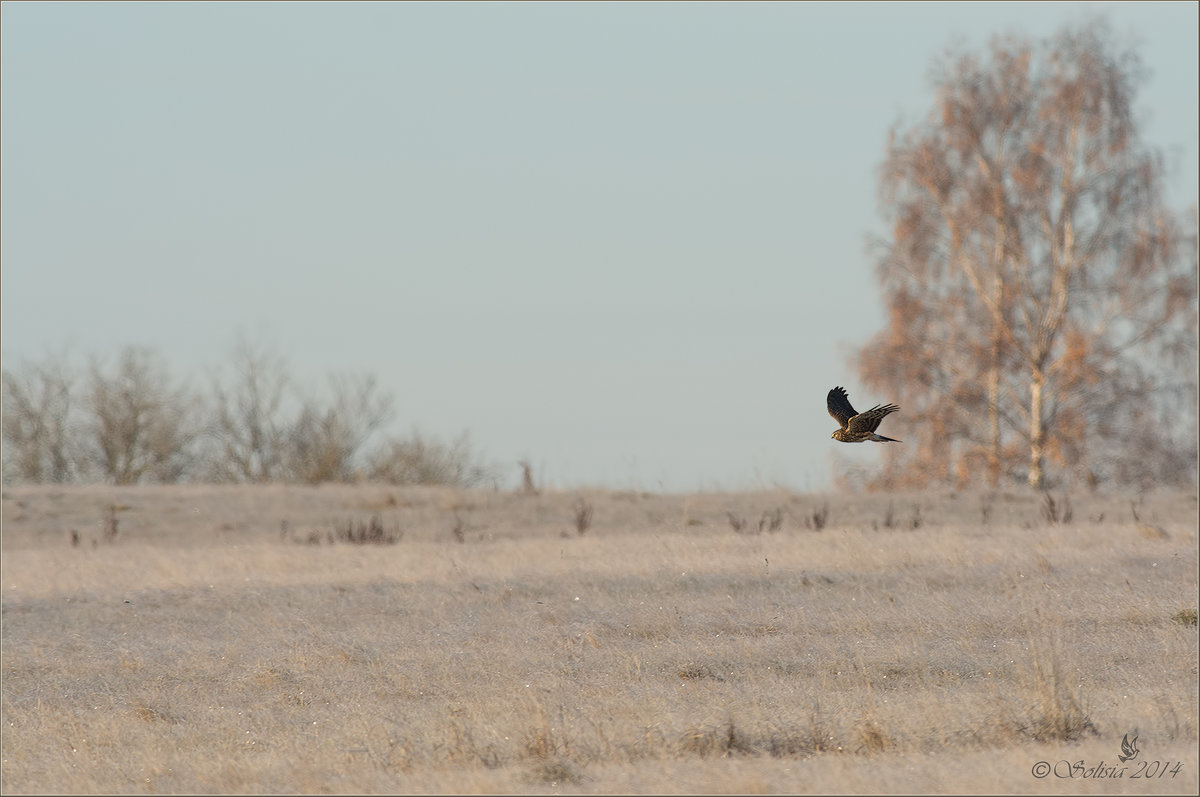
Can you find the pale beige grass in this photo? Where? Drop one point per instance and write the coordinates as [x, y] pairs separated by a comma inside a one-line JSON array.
[[661, 651]]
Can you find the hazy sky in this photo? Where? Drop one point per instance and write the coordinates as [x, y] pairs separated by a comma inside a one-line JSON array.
[[624, 241]]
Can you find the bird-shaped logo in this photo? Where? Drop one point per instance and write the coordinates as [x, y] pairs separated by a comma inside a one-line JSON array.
[[1129, 749]]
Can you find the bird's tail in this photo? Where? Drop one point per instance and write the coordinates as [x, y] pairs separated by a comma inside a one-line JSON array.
[[881, 439]]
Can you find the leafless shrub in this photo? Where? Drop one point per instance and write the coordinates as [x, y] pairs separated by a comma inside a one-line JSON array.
[[870, 737], [583, 516], [556, 770], [370, 532], [459, 530], [541, 742], [771, 520], [427, 460], [1055, 711], [527, 485], [712, 740], [985, 509], [891, 520], [1173, 726], [1185, 617], [1148, 530], [388, 754], [140, 425], [1056, 511], [321, 445], [248, 423], [134, 424], [109, 527], [258, 440], [694, 671], [817, 519], [793, 742], [463, 749], [39, 443], [736, 522], [1061, 721]]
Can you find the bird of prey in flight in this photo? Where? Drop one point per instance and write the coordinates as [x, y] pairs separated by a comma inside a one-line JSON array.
[[857, 427]]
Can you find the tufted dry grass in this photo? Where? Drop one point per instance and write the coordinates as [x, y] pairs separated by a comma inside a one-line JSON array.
[[221, 639]]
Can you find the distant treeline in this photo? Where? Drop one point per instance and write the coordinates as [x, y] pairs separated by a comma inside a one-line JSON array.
[[129, 421]]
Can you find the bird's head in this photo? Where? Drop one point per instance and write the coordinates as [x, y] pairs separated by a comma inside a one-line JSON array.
[[833, 436]]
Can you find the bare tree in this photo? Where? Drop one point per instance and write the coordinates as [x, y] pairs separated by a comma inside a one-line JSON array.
[[141, 426], [40, 441], [133, 424], [1041, 305], [425, 460], [247, 423], [324, 441]]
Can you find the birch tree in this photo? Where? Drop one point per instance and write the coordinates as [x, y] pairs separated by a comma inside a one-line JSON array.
[[1036, 283]]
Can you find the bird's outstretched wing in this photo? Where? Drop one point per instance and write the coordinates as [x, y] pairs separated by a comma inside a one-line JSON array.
[[839, 406], [869, 421]]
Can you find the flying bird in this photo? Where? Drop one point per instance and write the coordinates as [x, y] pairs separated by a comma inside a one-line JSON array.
[[857, 427]]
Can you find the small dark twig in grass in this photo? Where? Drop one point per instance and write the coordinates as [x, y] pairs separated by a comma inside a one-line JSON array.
[[583, 516], [771, 520], [892, 521], [801, 741], [710, 740], [1053, 512], [870, 737], [370, 532], [459, 532], [819, 517], [527, 485], [110, 525], [556, 770], [1055, 711]]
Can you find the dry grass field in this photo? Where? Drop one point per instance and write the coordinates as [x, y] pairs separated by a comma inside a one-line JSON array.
[[367, 639]]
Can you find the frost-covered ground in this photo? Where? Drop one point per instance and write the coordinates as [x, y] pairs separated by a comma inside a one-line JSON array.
[[595, 641]]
